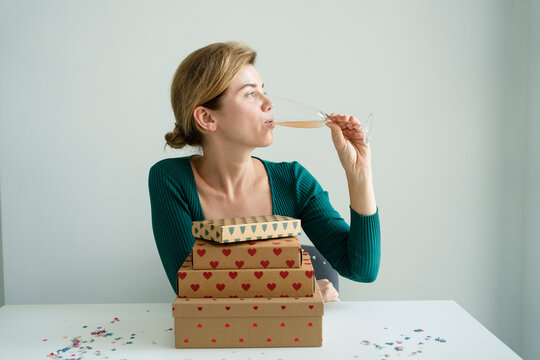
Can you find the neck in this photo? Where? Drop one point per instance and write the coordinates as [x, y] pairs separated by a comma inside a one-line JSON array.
[[227, 171]]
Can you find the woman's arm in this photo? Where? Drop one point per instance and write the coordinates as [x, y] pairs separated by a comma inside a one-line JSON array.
[[171, 219], [354, 251], [355, 157]]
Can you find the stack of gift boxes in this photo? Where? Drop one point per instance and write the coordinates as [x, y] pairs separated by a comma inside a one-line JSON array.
[[247, 284]]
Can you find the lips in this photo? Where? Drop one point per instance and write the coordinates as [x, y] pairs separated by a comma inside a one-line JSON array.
[[270, 122]]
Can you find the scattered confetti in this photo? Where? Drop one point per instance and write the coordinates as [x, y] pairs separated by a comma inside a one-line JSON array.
[[398, 345], [79, 347], [102, 333]]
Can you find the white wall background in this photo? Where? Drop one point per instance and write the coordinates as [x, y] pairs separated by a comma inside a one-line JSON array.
[[85, 105], [530, 314]]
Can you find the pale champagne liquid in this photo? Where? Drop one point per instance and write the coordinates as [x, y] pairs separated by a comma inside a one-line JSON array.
[[301, 124]]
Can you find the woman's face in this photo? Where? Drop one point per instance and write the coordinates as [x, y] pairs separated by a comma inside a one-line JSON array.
[[245, 117]]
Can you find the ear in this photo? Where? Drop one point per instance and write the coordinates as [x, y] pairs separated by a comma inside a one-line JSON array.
[[204, 118]]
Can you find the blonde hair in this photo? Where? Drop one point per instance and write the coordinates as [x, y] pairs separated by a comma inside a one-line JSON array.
[[201, 79]]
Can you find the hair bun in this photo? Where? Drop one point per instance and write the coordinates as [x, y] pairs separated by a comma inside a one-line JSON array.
[[175, 140]]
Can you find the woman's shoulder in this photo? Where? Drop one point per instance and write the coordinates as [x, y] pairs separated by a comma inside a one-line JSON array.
[[288, 171], [176, 169], [172, 164], [282, 165]]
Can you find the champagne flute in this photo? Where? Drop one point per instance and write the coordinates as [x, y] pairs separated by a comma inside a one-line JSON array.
[[291, 113]]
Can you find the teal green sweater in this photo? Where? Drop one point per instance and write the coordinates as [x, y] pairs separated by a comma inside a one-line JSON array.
[[353, 251]]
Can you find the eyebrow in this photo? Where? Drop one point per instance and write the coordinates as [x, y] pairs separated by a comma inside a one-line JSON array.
[[252, 85]]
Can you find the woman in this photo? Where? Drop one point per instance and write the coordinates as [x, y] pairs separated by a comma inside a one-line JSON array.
[[219, 104]]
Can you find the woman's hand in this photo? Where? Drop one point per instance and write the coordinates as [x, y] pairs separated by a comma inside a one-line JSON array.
[[328, 291], [348, 138]]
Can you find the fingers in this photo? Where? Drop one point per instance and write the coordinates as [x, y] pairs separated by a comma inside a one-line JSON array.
[[348, 124], [337, 134], [345, 121], [328, 291], [323, 282], [331, 299]]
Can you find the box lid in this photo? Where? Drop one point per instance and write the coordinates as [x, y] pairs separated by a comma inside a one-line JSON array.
[[271, 253], [246, 228], [247, 307]]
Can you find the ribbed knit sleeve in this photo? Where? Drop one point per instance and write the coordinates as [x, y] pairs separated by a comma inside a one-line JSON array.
[[354, 251], [173, 205]]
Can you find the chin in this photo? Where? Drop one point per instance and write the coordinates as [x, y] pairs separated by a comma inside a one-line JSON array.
[[263, 141], [268, 141]]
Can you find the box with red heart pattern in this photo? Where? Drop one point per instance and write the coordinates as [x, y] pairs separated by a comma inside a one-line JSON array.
[[224, 283], [264, 254], [248, 322]]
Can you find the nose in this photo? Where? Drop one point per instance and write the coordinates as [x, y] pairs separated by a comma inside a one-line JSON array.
[[267, 104]]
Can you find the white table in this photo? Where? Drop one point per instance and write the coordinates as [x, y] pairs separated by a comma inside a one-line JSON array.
[[351, 330]]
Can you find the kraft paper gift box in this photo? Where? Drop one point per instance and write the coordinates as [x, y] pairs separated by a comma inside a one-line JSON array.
[[248, 322], [263, 254], [246, 228], [224, 283]]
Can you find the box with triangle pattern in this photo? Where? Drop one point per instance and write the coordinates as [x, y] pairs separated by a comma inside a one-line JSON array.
[[246, 228]]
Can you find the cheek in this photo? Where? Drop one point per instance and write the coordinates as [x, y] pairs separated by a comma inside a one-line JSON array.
[[241, 115]]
